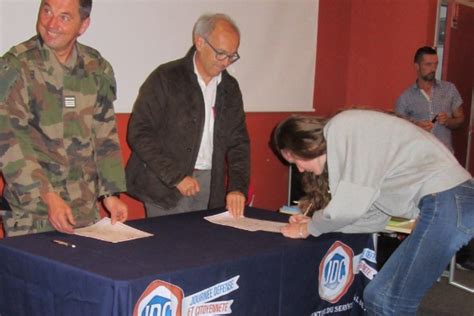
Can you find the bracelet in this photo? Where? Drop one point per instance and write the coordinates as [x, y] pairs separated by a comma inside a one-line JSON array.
[[301, 231], [103, 197]]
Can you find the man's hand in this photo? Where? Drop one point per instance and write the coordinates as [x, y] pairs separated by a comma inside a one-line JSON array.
[[235, 203], [442, 118], [59, 213], [118, 210], [426, 125], [452, 122], [189, 186]]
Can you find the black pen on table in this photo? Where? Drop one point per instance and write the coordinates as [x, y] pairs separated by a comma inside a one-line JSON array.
[[63, 243]]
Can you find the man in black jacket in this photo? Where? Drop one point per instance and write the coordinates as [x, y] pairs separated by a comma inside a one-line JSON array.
[[187, 131]]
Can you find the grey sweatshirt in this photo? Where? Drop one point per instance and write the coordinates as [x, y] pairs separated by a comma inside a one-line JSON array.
[[380, 166]]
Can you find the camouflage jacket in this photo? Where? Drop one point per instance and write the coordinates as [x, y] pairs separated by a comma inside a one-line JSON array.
[[58, 130]]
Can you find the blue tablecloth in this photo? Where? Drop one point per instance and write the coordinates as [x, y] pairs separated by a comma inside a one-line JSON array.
[[189, 267]]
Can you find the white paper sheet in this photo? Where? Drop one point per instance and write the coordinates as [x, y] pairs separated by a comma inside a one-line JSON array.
[[245, 223], [104, 230]]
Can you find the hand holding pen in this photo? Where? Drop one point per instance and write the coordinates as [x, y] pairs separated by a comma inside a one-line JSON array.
[[301, 218], [298, 228], [442, 118]]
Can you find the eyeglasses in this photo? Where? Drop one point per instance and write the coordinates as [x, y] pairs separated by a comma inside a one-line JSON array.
[[220, 55]]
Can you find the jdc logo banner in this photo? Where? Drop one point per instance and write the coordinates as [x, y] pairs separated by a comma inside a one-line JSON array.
[[160, 298], [335, 272], [164, 299]]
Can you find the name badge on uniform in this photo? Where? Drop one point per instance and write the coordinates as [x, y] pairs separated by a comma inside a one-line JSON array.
[[70, 102]]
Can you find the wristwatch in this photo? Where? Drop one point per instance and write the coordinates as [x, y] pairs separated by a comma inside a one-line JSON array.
[[103, 197]]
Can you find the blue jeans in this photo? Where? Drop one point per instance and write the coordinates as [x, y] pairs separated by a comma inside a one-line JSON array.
[[445, 224]]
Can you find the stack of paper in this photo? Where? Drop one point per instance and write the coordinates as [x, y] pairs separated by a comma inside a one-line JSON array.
[[400, 225], [104, 230], [293, 209], [245, 223]]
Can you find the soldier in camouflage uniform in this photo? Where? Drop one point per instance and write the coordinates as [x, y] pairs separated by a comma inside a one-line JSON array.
[[59, 149]]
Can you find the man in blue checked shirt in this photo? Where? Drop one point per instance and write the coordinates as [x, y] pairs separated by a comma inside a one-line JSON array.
[[434, 105]]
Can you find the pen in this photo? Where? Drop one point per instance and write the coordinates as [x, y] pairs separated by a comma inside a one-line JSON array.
[[434, 118], [307, 209], [63, 243]]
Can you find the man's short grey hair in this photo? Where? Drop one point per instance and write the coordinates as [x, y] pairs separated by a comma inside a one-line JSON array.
[[207, 23]]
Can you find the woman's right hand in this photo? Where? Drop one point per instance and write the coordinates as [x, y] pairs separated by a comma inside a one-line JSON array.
[[299, 219]]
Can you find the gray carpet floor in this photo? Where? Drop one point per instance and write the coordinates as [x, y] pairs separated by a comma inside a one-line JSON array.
[[444, 299]]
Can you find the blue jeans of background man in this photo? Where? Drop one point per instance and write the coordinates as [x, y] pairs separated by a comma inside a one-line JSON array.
[[446, 223]]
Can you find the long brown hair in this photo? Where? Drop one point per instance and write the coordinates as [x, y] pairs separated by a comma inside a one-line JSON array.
[[303, 137]]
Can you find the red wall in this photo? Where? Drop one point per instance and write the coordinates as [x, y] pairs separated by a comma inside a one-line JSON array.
[[364, 57], [136, 209], [384, 37], [332, 56], [365, 50]]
